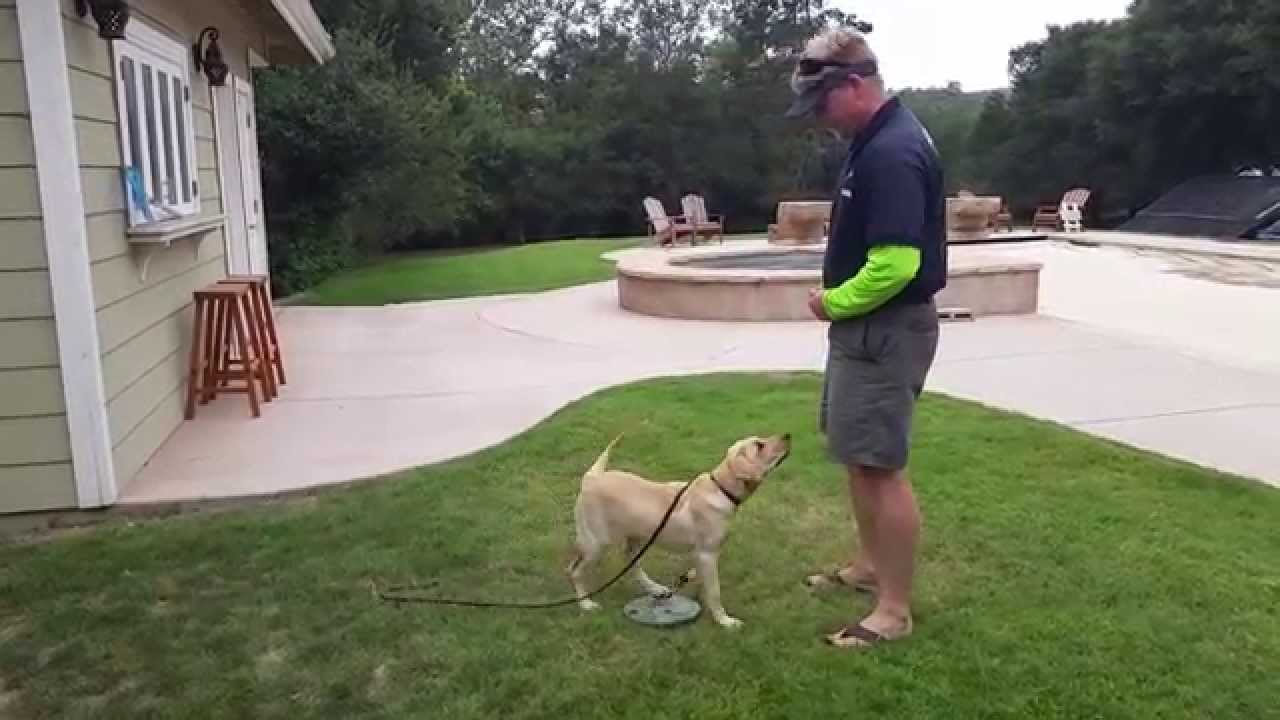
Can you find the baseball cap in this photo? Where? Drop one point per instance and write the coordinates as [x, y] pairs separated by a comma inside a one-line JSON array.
[[813, 78]]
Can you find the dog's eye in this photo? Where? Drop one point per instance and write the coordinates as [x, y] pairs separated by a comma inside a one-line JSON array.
[[759, 445]]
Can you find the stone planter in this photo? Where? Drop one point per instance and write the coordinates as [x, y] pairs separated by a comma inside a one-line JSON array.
[[801, 223], [969, 217]]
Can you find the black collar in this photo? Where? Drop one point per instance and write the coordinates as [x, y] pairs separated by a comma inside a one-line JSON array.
[[877, 123], [737, 501]]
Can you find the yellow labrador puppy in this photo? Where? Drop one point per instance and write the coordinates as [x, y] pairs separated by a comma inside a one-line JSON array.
[[619, 507]]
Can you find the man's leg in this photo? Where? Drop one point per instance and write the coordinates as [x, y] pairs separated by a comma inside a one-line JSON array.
[[896, 531], [860, 572], [874, 441], [865, 509]]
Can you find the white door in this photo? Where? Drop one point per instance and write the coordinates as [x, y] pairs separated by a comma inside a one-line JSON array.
[[250, 177], [241, 182]]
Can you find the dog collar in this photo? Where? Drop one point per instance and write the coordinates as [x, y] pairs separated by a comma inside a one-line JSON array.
[[737, 501]]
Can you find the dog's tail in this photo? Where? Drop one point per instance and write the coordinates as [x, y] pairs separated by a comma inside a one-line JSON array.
[[602, 462]]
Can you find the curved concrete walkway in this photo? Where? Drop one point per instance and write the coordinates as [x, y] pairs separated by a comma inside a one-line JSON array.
[[1186, 367]]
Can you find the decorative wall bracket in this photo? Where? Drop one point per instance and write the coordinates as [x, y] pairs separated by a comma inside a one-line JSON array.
[[153, 238]]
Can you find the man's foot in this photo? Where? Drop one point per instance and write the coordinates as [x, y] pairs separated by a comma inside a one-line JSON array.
[[846, 577], [870, 632], [728, 622]]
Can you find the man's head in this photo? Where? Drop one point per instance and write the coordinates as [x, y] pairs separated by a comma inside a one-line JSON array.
[[838, 81]]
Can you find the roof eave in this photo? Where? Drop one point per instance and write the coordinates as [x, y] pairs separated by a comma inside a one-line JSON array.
[[302, 19]]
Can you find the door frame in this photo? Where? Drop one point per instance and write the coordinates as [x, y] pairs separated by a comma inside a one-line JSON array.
[[227, 142], [227, 136]]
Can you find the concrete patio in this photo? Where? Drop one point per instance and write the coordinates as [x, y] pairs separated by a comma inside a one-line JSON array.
[[1174, 353]]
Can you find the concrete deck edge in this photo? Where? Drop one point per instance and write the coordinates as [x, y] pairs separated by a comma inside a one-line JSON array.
[[1241, 250]]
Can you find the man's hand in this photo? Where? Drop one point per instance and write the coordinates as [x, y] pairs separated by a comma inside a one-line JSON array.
[[815, 305]]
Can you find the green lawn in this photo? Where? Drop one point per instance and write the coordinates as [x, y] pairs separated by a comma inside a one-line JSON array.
[[434, 276], [1062, 577]]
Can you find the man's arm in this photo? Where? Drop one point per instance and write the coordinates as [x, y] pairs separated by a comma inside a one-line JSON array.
[[889, 268], [895, 212]]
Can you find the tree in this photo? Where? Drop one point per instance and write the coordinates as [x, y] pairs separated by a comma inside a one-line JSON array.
[[1176, 89]]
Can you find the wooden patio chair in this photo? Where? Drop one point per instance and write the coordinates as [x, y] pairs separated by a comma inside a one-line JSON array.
[[704, 225], [1002, 218], [1067, 215], [1046, 218], [665, 230], [1072, 209]]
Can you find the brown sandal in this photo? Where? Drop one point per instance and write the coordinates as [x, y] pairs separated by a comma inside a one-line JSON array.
[[855, 636], [835, 579], [861, 636]]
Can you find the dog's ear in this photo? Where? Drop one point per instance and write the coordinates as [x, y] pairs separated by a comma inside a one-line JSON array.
[[746, 458]]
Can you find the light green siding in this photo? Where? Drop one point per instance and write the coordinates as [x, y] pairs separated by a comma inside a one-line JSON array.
[[13, 89], [32, 391], [16, 149], [98, 144], [46, 486], [103, 191], [35, 448], [144, 326], [137, 447], [22, 245], [37, 440], [10, 43], [28, 344], [19, 193], [92, 96]]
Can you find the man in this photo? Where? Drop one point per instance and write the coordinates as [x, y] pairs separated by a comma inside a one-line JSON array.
[[885, 260]]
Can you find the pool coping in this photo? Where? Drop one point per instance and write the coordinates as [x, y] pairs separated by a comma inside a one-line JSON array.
[[667, 264]]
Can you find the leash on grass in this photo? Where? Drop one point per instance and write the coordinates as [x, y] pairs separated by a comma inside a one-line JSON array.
[[404, 594]]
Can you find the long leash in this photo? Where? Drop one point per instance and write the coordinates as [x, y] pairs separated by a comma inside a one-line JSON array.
[[402, 594]]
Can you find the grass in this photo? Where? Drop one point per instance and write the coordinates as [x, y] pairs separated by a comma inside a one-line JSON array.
[[1061, 577], [436, 276]]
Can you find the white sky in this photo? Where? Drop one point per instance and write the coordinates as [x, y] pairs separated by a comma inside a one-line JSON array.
[[923, 43]]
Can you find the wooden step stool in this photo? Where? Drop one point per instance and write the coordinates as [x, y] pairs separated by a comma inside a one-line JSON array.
[[265, 315], [227, 347]]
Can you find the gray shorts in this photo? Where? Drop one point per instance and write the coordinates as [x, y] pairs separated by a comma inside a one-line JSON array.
[[876, 369]]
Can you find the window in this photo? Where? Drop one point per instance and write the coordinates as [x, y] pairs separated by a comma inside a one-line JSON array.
[[154, 96]]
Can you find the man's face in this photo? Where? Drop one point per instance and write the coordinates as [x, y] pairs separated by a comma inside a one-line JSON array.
[[844, 107]]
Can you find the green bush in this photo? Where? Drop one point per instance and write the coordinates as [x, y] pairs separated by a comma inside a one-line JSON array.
[[356, 155], [308, 252]]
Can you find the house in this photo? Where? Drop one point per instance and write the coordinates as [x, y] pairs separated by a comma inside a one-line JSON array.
[[128, 179]]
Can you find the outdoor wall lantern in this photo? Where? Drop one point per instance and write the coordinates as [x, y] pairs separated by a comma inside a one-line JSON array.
[[111, 16], [210, 59]]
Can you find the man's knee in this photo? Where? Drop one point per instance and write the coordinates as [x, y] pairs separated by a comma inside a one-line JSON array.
[[873, 474]]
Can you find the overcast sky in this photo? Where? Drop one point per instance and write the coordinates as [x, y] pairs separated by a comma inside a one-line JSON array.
[[925, 43]]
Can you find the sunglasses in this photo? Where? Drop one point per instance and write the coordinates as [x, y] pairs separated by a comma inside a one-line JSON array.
[[810, 66]]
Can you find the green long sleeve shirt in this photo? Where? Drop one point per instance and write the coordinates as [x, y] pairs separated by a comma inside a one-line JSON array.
[[888, 270]]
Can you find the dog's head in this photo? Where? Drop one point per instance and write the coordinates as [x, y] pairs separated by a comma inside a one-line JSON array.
[[752, 458]]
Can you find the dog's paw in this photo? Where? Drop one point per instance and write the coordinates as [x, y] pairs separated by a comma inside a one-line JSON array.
[[589, 605], [728, 622]]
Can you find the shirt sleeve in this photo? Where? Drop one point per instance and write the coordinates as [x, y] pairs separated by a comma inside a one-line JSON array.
[[889, 268], [895, 202]]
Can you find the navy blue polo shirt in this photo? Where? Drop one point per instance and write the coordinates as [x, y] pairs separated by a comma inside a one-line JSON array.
[[890, 192]]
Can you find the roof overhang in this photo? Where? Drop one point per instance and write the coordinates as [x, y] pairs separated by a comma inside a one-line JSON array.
[[302, 20]]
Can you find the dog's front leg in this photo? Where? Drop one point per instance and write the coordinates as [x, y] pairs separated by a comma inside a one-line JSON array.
[[708, 571]]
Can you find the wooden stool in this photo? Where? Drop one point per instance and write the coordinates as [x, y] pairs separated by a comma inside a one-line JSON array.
[[265, 315], [226, 346]]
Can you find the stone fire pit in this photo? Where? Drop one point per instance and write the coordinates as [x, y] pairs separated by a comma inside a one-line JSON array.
[[761, 282]]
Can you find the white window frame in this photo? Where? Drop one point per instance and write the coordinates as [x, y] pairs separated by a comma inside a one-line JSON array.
[[145, 45]]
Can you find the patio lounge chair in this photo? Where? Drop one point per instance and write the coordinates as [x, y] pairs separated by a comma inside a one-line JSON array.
[[704, 225], [1066, 215], [666, 230], [1002, 218]]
